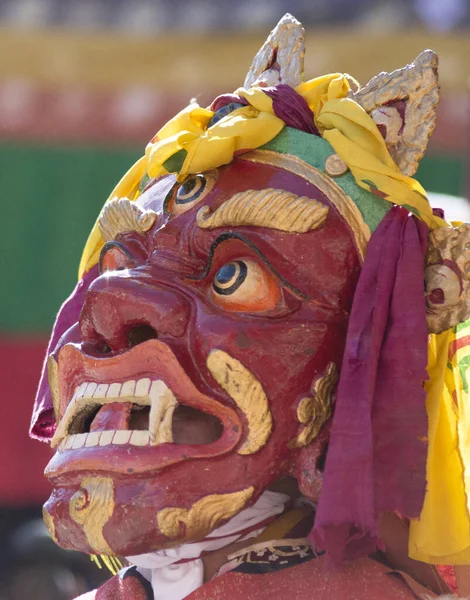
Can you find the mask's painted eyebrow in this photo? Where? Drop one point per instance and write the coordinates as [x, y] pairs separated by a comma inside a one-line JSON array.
[[230, 235]]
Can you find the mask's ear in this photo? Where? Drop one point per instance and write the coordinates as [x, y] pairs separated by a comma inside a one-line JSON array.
[[403, 105], [309, 465], [314, 417]]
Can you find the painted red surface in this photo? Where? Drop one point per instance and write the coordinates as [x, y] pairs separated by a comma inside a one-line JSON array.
[[22, 459], [287, 346]]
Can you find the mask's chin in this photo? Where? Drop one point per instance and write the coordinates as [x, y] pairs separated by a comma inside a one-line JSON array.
[[132, 505], [131, 516]]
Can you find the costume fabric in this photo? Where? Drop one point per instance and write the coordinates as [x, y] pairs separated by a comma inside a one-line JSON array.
[[442, 534], [177, 572], [377, 452]]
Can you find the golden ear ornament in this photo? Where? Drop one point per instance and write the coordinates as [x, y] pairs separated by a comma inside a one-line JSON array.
[[416, 86], [315, 410], [402, 103], [447, 277]]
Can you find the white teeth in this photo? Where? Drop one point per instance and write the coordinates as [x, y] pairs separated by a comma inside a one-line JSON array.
[[142, 387], [93, 438], [90, 390], [89, 396], [161, 413], [106, 437], [79, 393], [113, 390], [140, 438], [128, 388], [78, 441], [122, 436], [101, 390]]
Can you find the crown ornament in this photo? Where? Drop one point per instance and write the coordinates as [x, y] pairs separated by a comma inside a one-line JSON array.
[[402, 103]]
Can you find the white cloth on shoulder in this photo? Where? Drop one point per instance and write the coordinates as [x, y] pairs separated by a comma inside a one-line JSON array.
[[171, 581]]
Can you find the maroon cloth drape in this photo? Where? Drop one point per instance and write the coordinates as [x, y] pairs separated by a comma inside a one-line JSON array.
[[377, 454]]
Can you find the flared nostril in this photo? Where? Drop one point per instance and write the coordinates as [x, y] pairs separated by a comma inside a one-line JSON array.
[[139, 334]]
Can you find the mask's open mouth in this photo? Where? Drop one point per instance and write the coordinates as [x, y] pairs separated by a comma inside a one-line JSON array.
[[135, 412], [142, 413]]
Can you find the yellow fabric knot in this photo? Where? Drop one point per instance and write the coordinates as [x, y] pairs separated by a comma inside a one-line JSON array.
[[358, 141], [206, 147]]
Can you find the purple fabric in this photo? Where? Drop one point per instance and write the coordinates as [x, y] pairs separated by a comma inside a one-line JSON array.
[[377, 454], [225, 99], [43, 420], [292, 108], [287, 105]]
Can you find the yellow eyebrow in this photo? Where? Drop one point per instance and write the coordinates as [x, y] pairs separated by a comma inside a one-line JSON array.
[[122, 215], [272, 208]]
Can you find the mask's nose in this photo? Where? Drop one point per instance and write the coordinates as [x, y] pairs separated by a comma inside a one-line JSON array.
[[121, 311]]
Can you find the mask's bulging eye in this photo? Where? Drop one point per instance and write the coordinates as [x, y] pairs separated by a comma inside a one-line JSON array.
[[184, 196], [230, 277], [190, 190], [245, 286]]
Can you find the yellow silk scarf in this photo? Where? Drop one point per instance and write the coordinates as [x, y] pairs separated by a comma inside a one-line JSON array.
[[442, 533]]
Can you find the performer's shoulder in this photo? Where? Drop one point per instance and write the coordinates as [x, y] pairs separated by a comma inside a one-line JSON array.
[[365, 579]]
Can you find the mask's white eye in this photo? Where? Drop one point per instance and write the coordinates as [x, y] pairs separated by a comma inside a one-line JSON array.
[[184, 196], [245, 286]]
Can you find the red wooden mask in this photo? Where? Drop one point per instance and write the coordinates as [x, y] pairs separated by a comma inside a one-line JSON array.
[[187, 386]]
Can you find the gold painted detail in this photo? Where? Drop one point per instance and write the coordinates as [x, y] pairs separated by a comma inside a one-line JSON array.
[[340, 200], [281, 58], [417, 85], [314, 411], [203, 516], [92, 507], [447, 274], [53, 378], [335, 166], [247, 393], [121, 215], [49, 523], [275, 209]]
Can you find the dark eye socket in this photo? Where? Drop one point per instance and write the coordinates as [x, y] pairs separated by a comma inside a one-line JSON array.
[[230, 277], [190, 190]]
